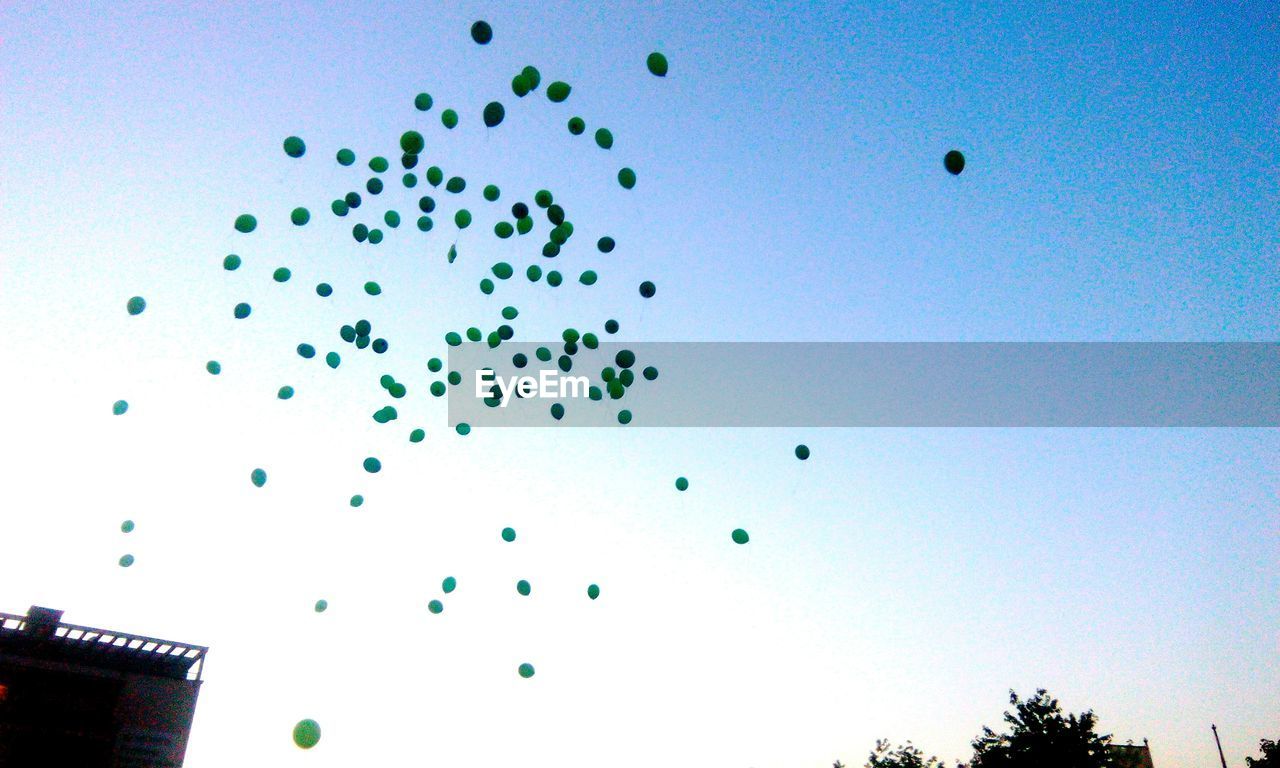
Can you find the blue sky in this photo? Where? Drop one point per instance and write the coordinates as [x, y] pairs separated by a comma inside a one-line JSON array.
[[1120, 186]]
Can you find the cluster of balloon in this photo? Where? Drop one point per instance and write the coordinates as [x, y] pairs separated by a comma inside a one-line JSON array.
[[616, 379]]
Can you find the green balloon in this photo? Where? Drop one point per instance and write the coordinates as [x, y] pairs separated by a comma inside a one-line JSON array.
[[650, 373], [332, 359], [213, 367], [360, 232], [953, 161], [627, 178], [502, 270], [411, 142], [417, 435], [126, 561], [481, 32], [491, 192], [242, 310], [624, 417], [352, 199], [306, 351], [324, 290], [258, 477], [486, 286], [453, 253], [463, 429], [473, 334], [520, 86], [588, 277], [410, 181], [462, 218], [534, 273], [372, 465], [657, 64], [346, 156], [554, 279], [372, 288], [435, 364], [300, 216], [449, 119], [392, 219], [375, 236], [456, 184], [648, 289], [802, 452], [682, 484], [577, 126], [740, 536], [437, 388], [306, 734], [494, 112], [126, 526], [385, 414], [523, 587], [379, 164], [357, 500], [425, 223], [435, 606], [508, 534], [503, 229], [285, 392], [557, 411], [533, 76], [593, 591], [339, 207], [322, 606], [231, 263], [604, 139], [542, 198], [605, 244], [435, 175], [449, 584], [453, 339], [611, 326], [135, 305], [558, 91], [281, 275], [543, 354], [422, 102], [374, 186], [590, 340], [246, 223], [294, 147], [524, 225], [526, 670]]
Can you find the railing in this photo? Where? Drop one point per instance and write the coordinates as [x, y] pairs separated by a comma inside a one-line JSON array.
[[101, 638]]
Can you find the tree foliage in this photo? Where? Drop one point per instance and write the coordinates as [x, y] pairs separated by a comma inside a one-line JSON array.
[[1270, 755], [904, 756], [1040, 736]]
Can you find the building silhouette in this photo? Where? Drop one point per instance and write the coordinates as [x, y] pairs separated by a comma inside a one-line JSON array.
[[93, 698]]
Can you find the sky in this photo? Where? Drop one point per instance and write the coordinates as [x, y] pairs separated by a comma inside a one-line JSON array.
[[1120, 186]]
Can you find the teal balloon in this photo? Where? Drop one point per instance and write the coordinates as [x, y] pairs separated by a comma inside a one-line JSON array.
[[119, 407], [135, 305], [258, 477]]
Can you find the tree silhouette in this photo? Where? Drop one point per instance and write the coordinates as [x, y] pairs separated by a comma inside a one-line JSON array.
[[1270, 755], [904, 756], [1040, 736]]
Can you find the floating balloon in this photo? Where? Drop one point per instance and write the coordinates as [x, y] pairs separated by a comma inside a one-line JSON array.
[[231, 263], [462, 218], [346, 156], [503, 229], [650, 373], [449, 584], [604, 139], [322, 606], [425, 223], [411, 142], [491, 193], [522, 587], [740, 536], [352, 199], [136, 305], [508, 534], [520, 86], [435, 606], [494, 112], [577, 126], [593, 591], [953, 161], [533, 76], [213, 367], [627, 178], [379, 347], [558, 91], [281, 275], [306, 734], [372, 288], [372, 465], [300, 216], [410, 181], [379, 164], [802, 452], [126, 561], [375, 236], [526, 670], [624, 417], [126, 526], [588, 277], [285, 392], [657, 64], [357, 500], [554, 279], [374, 186], [502, 270], [682, 484], [611, 326], [422, 102], [246, 223], [648, 289], [463, 429], [534, 273], [332, 359], [481, 32], [449, 119], [294, 147], [324, 290], [258, 477], [339, 207]]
